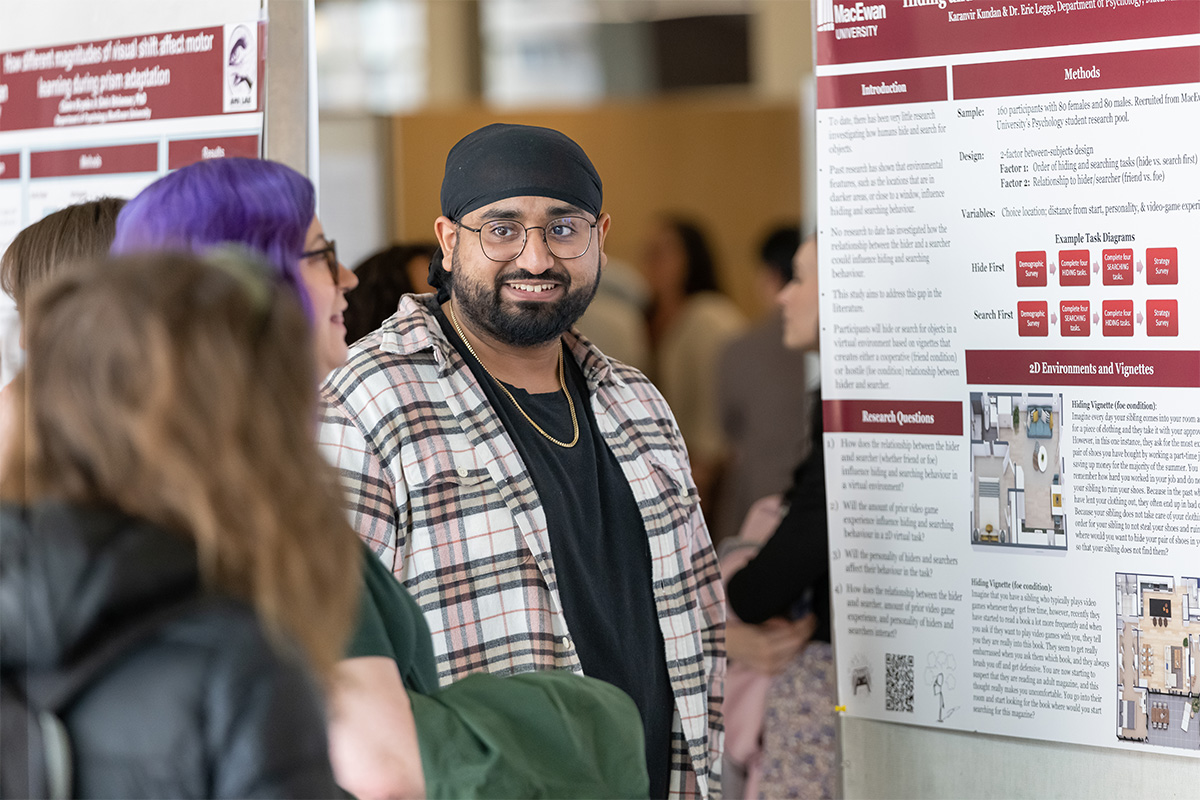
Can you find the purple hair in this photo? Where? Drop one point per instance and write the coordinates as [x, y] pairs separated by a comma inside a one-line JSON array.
[[262, 205]]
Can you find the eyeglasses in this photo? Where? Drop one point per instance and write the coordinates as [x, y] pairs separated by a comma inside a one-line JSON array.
[[331, 260], [504, 240]]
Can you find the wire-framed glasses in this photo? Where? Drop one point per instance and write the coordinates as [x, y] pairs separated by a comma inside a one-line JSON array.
[[504, 239]]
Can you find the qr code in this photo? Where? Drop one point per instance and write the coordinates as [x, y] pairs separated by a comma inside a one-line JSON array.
[[899, 683]]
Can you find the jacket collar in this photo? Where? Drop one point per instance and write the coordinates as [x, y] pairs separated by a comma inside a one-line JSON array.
[[71, 571]]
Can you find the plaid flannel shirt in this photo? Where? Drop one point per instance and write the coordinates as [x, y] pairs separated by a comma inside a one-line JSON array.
[[436, 487]]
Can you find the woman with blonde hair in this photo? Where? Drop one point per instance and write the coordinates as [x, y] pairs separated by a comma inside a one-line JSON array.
[[57, 242], [164, 459], [78, 233]]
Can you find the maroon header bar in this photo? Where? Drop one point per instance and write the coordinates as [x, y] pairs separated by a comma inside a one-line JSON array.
[[94, 161], [182, 152], [926, 85], [151, 76], [850, 32], [10, 166], [931, 417], [1173, 368], [1078, 73]]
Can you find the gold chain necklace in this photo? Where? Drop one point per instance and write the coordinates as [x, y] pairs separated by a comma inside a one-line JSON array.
[[562, 382]]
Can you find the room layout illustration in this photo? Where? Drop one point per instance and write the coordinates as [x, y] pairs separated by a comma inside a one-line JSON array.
[[1157, 685], [1016, 470]]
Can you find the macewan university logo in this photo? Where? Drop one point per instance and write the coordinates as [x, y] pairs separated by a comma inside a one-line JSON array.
[[850, 21]]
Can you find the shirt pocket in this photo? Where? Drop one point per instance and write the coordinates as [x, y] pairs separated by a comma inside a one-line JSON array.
[[463, 536], [673, 486]]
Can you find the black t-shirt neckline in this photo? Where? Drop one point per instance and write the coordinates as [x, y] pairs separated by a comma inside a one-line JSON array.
[[600, 550]]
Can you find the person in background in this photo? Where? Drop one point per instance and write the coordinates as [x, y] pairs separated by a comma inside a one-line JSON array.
[[76, 234], [763, 399], [69, 237], [393, 733], [785, 586], [616, 319], [383, 278], [691, 322], [165, 455], [532, 493]]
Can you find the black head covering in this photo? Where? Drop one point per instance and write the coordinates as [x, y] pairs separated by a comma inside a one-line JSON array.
[[500, 161]]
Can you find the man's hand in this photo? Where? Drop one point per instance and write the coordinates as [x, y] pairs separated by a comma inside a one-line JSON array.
[[768, 647]]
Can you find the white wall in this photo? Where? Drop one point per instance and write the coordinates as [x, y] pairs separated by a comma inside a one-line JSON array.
[[884, 760], [354, 175]]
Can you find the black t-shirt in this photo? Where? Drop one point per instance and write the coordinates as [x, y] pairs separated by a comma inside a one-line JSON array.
[[599, 546]]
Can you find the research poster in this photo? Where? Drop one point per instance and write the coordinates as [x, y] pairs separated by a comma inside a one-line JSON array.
[[1008, 234], [88, 119]]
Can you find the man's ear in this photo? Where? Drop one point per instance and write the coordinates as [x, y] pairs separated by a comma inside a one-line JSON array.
[[602, 227], [446, 233], [601, 232]]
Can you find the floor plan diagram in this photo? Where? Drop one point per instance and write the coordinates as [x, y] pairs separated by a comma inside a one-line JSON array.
[[1016, 469], [1157, 621]]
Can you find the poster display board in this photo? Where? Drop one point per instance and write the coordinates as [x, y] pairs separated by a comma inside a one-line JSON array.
[[1009, 222], [107, 117]]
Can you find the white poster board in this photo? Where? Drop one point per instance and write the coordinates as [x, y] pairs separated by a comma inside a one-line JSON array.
[[106, 115], [1008, 206]]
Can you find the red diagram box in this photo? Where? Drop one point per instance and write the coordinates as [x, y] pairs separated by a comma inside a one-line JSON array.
[[1033, 318], [1075, 317], [1031, 268], [1162, 317], [1116, 317], [1162, 265], [1073, 266], [10, 166], [1117, 266]]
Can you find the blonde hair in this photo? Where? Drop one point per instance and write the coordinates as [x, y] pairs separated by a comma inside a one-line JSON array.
[[78, 233], [182, 392]]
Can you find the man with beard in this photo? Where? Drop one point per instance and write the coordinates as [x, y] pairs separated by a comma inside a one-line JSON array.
[[533, 495]]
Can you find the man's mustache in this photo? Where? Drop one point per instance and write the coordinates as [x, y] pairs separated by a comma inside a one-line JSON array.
[[559, 276]]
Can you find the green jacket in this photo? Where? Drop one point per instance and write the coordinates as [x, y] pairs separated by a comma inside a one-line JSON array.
[[539, 734]]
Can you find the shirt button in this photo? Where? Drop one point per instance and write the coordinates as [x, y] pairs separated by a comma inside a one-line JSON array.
[[462, 472], [566, 642]]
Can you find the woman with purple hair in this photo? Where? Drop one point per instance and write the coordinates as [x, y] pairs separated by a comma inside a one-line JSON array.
[[392, 732], [263, 205]]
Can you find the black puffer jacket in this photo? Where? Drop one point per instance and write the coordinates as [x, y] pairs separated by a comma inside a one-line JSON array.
[[206, 707]]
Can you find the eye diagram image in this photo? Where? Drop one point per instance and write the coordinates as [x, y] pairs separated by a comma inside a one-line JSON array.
[[241, 68]]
